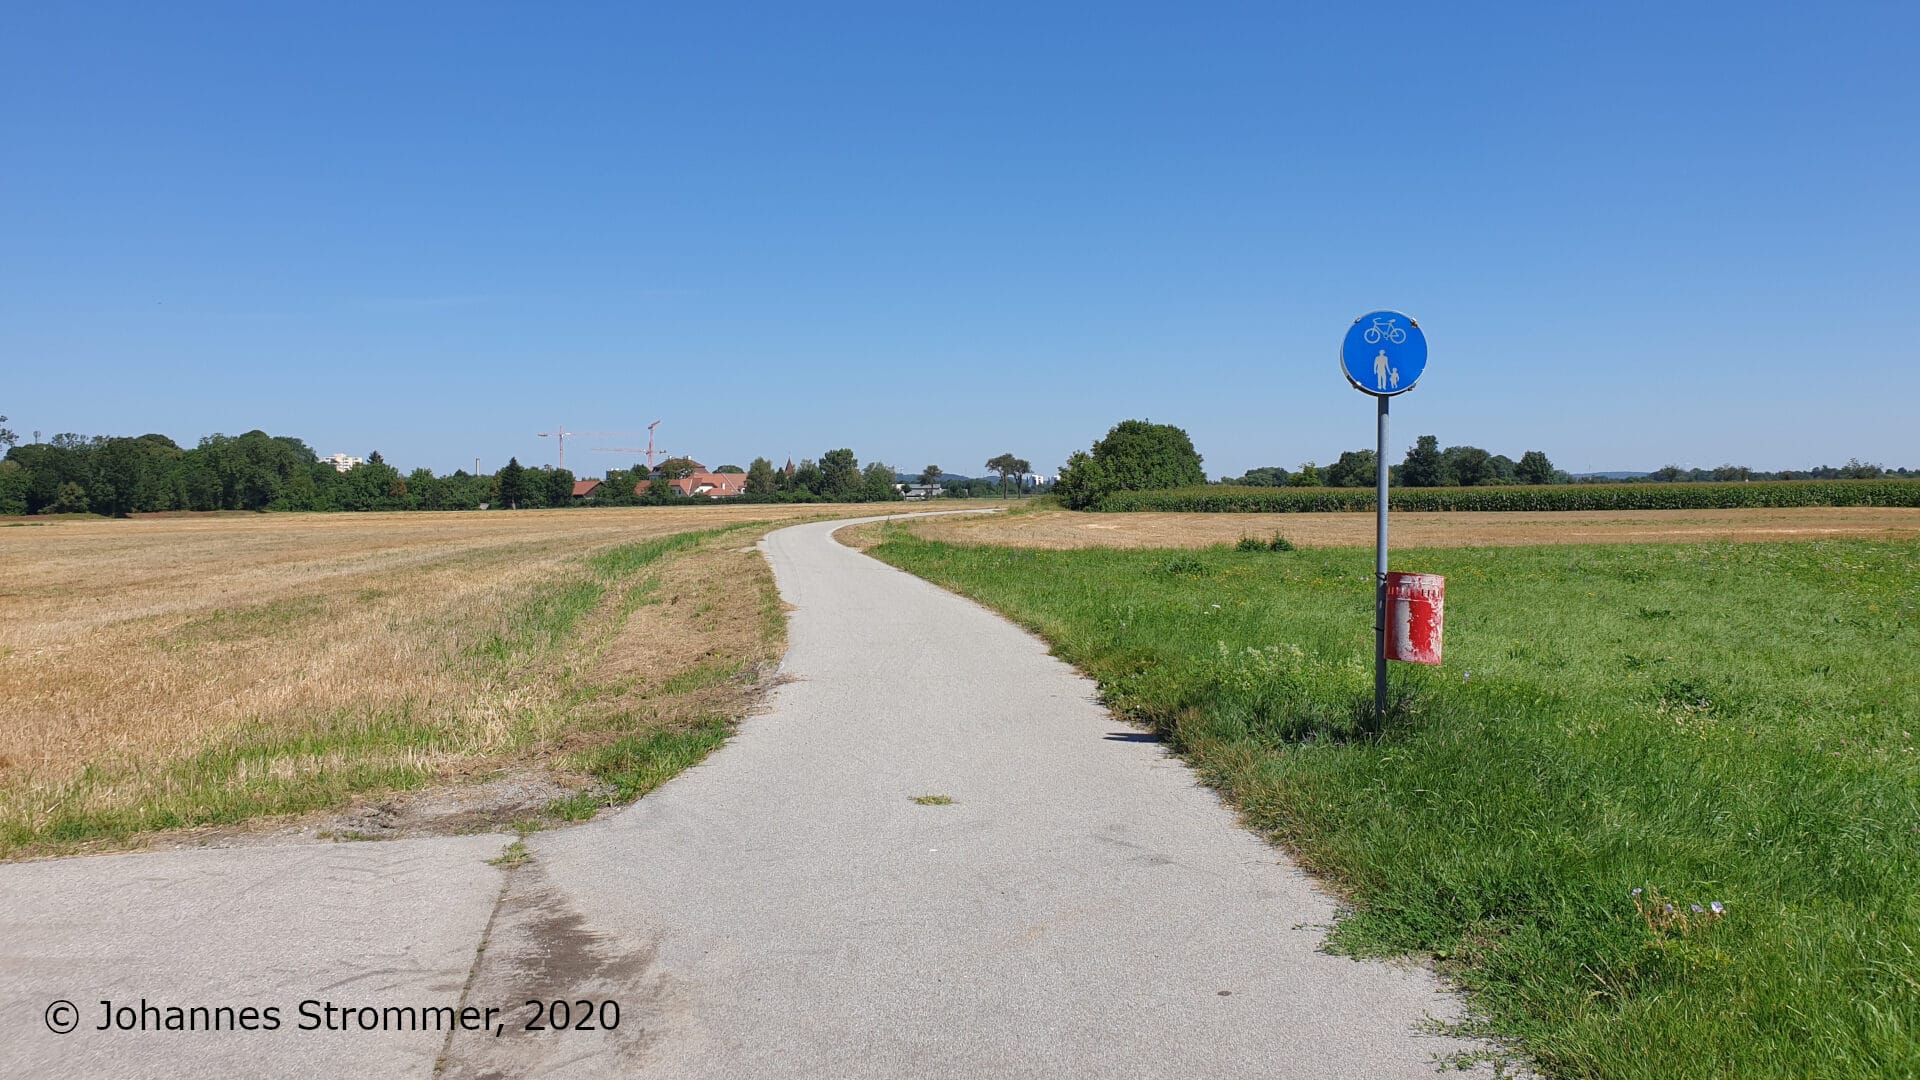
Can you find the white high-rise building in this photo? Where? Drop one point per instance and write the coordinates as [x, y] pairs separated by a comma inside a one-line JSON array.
[[342, 462]]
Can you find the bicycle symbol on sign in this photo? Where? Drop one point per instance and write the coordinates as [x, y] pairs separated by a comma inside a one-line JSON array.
[[1384, 328]]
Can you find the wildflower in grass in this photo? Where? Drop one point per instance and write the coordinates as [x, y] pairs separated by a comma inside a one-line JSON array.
[[1468, 674], [1698, 910], [1634, 893], [1718, 908]]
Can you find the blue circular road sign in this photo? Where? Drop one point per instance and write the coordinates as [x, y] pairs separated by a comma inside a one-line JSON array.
[[1384, 353]]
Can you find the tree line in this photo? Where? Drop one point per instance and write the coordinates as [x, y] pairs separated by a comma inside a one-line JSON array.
[[1854, 469], [1428, 465], [256, 471], [1142, 456], [74, 474]]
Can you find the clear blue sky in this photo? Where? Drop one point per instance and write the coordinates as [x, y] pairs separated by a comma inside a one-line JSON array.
[[1635, 234]]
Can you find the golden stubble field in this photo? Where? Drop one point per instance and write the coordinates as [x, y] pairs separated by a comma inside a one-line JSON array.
[[128, 648], [1068, 529]]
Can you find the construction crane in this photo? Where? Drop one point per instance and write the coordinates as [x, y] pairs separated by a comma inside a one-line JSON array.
[[649, 451], [561, 433]]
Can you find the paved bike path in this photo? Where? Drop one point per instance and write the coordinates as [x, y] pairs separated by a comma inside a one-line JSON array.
[[1082, 908]]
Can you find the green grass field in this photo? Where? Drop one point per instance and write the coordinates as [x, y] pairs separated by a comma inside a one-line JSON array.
[[1703, 723]]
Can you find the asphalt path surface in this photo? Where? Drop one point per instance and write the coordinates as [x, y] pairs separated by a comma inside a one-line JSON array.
[[1081, 906]]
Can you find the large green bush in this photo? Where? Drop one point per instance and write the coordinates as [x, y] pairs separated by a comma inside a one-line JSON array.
[[1136, 455], [1262, 500]]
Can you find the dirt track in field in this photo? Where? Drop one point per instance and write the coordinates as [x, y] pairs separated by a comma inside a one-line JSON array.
[[1067, 529]]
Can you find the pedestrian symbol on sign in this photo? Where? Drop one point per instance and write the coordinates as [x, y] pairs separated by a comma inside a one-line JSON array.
[[1384, 353]]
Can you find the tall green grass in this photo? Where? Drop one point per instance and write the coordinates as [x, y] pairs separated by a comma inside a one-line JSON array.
[[1225, 499], [634, 765], [1731, 723]]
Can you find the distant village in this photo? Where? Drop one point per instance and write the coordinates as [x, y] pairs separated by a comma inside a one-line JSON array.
[[700, 481]]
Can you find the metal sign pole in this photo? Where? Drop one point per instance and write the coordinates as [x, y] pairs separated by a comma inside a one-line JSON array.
[[1382, 354], [1380, 575]]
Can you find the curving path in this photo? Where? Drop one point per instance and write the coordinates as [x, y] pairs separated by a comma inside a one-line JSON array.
[[1082, 908]]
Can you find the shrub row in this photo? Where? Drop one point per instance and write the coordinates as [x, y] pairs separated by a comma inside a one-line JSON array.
[[1220, 499]]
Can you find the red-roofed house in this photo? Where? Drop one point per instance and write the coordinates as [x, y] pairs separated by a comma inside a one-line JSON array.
[[584, 489], [712, 485], [719, 485]]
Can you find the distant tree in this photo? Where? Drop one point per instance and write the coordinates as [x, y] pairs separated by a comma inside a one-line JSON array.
[[807, 480], [1008, 466], [70, 499], [1308, 476], [1424, 466], [930, 475], [371, 487], [255, 471], [560, 487], [427, 491], [761, 479], [729, 469], [1136, 455], [7, 438], [1855, 469], [1264, 476], [616, 489], [877, 483], [1084, 481], [1356, 468], [13, 488], [116, 470], [1534, 468], [840, 475], [1468, 466], [1729, 473], [661, 492], [677, 468], [136, 475], [513, 483], [375, 458]]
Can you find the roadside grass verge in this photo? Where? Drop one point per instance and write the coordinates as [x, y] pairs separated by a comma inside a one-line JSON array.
[[634, 765], [1730, 723], [611, 672]]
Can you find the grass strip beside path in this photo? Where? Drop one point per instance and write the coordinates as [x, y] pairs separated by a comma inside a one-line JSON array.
[[1726, 723]]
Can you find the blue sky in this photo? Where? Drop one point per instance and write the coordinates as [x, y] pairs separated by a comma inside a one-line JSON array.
[[1635, 234]]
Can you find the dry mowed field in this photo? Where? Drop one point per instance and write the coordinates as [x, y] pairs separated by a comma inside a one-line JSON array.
[[129, 647], [1059, 529]]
